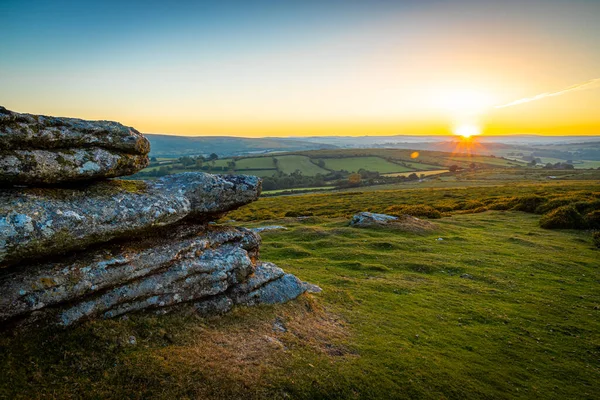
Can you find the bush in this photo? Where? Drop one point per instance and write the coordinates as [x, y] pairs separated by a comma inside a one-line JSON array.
[[415, 211], [469, 205], [529, 203], [565, 217], [501, 205], [592, 219], [295, 214], [596, 239], [585, 207], [554, 204]]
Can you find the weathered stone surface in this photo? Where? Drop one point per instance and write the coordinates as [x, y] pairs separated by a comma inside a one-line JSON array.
[[41, 150], [404, 222], [269, 228], [40, 222], [369, 219], [192, 263], [27, 131], [268, 285], [45, 167]]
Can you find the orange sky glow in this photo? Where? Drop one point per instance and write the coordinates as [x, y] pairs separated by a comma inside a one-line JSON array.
[[415, 68]]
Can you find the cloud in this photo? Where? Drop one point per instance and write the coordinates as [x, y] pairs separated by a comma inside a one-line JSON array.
[[591, 84]]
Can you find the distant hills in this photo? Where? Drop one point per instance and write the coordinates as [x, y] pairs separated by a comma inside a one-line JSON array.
[[545, 149], [225, 146]]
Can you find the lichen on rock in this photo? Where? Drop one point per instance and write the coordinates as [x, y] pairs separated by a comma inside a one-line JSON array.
[[36, 223], [41, 150]]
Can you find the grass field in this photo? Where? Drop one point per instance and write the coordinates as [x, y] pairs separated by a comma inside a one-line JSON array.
[[269, 192], [498, 308], [444, 198], [255, 163], [353, 164], [422, 167], [384, 161], [289, 164], [419, 173]]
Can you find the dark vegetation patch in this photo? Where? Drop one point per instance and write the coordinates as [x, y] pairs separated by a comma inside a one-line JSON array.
[[563, 217]]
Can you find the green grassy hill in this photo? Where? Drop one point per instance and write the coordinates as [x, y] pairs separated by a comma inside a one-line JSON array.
[[488, 305]]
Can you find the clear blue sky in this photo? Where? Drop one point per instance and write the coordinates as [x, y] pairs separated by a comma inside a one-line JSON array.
[[259, 68]]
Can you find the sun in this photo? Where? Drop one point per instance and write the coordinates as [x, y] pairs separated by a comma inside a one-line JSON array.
[[467, 130]]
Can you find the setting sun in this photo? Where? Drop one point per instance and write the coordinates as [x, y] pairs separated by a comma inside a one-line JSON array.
[[467, 130]]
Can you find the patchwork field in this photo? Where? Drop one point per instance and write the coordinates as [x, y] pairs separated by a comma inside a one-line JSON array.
[[324, 162], [353, 164]]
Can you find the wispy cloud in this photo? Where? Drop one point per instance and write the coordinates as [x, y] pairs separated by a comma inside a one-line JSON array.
[[594, 83]]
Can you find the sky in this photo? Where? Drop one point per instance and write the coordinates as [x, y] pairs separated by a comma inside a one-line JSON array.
[[307, 68]]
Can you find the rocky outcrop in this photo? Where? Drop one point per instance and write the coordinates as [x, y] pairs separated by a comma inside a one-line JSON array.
[[40, 222], [108, 248], [191, 263], [34, 167], [268, 285], [370, 219], [42, 150], [403, 222]]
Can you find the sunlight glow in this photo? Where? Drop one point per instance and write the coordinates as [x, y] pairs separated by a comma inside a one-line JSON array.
[[467, 130], [465, 102]]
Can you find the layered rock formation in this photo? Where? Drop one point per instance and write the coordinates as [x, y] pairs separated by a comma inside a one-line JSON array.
[[104, 249], [41, 150], [38, 222]]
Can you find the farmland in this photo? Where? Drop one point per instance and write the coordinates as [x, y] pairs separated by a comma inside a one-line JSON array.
[[325, 162]]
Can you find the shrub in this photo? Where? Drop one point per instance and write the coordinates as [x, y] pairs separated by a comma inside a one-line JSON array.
[[565, 217], [529, 203], [469, 205], [587, 206], [554, 204], [592, 219], [501, 205], [596, 239], [415, 211], [295, 214]]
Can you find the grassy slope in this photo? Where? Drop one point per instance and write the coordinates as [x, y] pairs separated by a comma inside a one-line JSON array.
[[522, 324], [347, 203], [398, 317]]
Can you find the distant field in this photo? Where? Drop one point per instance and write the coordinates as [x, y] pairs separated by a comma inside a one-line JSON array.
[[421, 166], [353, 164], [298, 189], [419, 173], [586, 164], [487, 160], [289, 164], [257, 172], [255, 163]]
